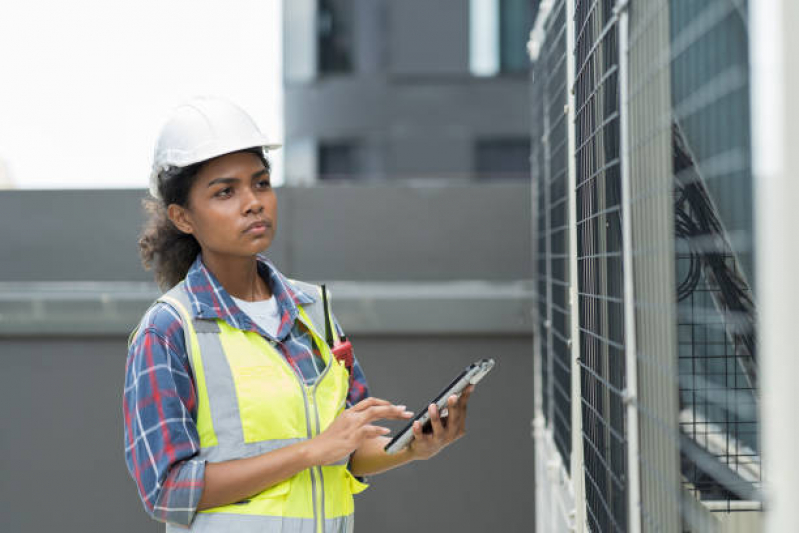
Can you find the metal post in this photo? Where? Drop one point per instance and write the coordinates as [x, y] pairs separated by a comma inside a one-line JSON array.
[[577, 475], [775, 132], [631, 362]]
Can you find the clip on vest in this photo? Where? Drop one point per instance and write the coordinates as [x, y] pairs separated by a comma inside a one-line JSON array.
[[343, 350]]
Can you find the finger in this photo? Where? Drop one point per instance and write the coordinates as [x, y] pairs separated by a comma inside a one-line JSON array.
[[463, 401], [419, 432], [454, 417], [466, 394], [435, 421], [370, 431], [392, 412], [369, 402]]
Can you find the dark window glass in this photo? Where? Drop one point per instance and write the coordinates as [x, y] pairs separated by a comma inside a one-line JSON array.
[[339, 160], [503, 158], [334, 29], [515, 23]]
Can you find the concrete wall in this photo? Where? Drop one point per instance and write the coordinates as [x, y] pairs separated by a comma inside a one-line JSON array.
[[70, 288], [425, 231]]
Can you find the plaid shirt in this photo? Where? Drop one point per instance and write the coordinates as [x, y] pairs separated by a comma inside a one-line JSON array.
[[160, 401]]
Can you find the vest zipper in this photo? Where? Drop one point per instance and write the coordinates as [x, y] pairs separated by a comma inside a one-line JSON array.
[[310, 393], [320, 500], [321, 474], [313, 429], [310, 433]]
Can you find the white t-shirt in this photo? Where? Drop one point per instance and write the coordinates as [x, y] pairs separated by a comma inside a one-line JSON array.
[[264, 313]]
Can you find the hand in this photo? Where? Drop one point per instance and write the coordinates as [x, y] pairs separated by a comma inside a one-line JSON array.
[[426, 445], [354, 426]]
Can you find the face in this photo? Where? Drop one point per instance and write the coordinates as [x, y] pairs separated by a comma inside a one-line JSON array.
[[232, 209]]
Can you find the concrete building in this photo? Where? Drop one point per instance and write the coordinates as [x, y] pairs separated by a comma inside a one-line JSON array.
[[381, 90]]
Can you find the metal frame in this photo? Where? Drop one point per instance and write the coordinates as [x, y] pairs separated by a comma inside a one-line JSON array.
[[775, 115], [580, 515], [631, 362]]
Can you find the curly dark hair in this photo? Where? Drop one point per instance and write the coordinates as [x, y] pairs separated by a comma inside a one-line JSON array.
[[162, 246]]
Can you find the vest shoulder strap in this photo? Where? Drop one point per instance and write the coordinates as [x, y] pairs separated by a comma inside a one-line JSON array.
[[178, 300], [316, 310], [177, 295]]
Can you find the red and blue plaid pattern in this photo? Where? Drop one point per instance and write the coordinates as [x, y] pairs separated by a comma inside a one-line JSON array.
[[160, 403]]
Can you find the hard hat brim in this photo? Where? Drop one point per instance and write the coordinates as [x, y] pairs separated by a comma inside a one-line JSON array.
[[181, 159]]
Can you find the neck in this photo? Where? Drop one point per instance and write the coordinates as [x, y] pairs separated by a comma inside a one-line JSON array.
[[239, 276]]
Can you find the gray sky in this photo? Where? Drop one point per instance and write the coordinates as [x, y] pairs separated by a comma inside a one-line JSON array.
[[86, 84]]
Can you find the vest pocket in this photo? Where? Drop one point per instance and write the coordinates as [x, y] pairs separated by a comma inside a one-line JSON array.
[[270, 502], [355, 485], [278, 489]]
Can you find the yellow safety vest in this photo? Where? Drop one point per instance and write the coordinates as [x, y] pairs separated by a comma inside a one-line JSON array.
[[250, 401]]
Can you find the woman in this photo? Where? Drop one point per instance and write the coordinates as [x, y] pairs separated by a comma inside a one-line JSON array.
[[238, 415]]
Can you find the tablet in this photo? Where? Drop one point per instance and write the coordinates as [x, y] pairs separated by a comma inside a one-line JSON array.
[[470, 376]]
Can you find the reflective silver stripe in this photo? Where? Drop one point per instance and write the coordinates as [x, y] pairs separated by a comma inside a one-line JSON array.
[[223, 402], [240, 523], [241, 450]]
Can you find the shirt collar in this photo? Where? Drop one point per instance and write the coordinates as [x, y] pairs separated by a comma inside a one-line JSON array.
[[210, 300]]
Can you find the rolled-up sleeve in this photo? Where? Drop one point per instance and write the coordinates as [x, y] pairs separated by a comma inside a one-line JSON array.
[[161, 438]]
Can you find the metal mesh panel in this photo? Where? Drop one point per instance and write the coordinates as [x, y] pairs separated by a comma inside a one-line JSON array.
[[689, 142], [651, 219], [599, 250], [557, 159], [713, 225], [541, 262], [691, 242]]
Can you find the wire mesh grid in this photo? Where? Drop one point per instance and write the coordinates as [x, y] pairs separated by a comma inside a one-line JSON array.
[[540, 222], [713, 226], [557, 159], [691, 242], [648, 112], [690, 137], [599, 264]]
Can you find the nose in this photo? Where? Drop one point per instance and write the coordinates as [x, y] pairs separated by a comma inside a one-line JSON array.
[[252, 203]]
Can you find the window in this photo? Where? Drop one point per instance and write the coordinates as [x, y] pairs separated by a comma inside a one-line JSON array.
[[498, 35], [502, 158], [340, 160], [515, 22], [335, 36]]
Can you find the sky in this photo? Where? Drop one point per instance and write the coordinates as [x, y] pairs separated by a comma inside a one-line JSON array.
[[85, 85]]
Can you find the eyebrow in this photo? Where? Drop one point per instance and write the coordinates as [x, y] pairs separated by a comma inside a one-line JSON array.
[[228, 181]]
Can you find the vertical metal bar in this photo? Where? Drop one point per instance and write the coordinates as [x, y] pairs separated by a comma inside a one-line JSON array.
[[538, 422], [775, 116], [554, 462], [578, 479], [631, 366], [548, 232]]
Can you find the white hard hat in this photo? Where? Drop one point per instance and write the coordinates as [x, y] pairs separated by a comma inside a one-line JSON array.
[[201, 129]]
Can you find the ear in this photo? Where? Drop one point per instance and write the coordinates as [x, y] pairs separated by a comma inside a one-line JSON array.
[[180, 218]]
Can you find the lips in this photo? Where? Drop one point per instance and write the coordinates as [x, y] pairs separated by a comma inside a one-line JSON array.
[[258, 225]]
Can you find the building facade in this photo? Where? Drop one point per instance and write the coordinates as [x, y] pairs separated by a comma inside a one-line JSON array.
[[379, 90]]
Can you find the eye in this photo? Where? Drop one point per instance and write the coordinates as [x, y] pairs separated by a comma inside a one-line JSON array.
[[263, 184], [224, 193]]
